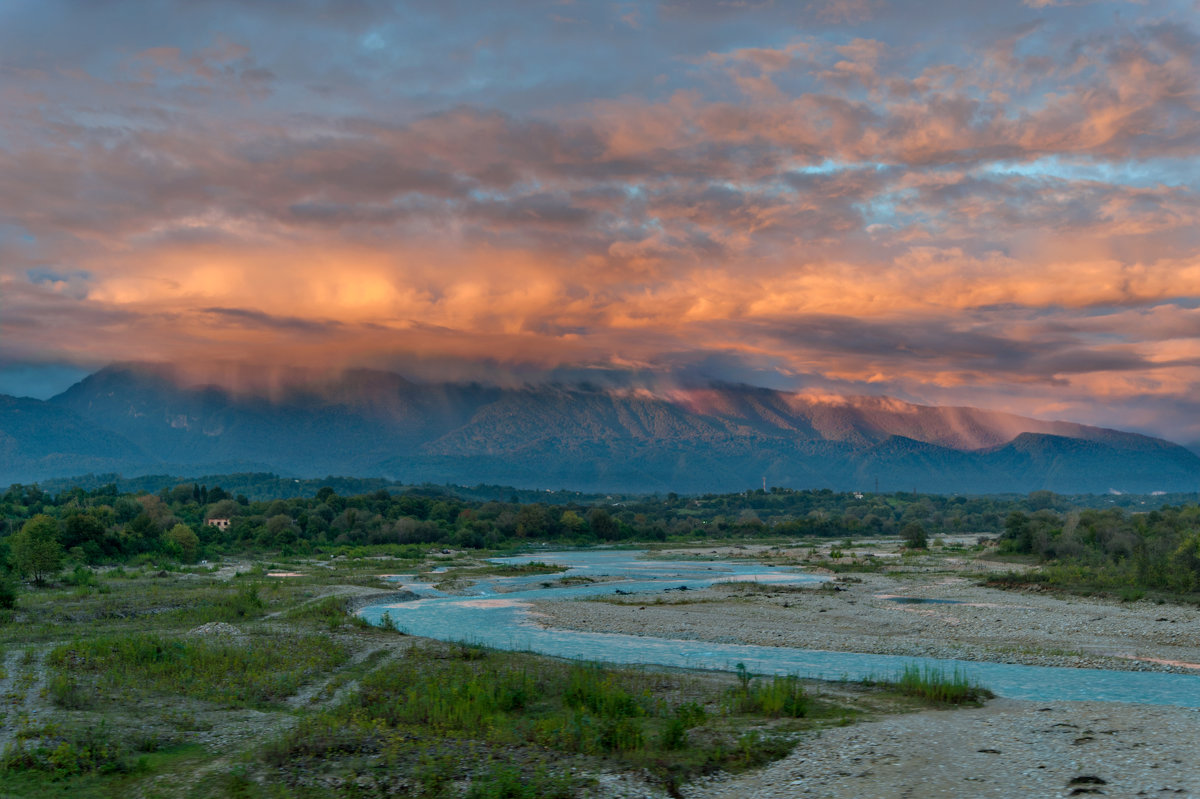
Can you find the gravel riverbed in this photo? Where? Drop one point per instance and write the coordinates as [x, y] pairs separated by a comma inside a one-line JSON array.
[[861, 614], [1003, 750], [1007, 748]]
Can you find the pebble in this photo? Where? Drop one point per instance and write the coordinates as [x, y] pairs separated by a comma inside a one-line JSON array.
[[1027, 750]]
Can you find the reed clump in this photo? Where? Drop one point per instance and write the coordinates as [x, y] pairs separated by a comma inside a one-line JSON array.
[[935, 684]]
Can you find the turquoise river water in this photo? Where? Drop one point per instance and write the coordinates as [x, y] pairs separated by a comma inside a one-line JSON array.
[[501, 619]]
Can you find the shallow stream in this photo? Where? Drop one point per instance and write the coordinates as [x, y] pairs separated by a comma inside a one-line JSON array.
[[497, 614]]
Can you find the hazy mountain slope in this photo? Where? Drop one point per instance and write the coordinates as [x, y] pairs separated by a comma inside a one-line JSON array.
[[38, 440], [872, 420], [717, 438], [1071, 465], [345, 427]]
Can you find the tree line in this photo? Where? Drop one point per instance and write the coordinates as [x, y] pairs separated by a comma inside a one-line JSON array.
[[40, 530]]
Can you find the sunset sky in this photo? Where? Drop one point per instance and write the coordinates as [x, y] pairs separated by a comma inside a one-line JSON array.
[[981, 202]]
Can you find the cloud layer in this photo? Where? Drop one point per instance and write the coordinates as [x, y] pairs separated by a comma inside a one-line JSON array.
[[991, 203]]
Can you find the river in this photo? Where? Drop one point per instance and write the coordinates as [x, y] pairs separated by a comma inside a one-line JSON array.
[[496, 613]]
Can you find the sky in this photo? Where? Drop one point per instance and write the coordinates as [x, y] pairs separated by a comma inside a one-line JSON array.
[[980, 202]]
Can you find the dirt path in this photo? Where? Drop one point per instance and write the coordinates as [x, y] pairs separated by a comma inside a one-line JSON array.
[[11, 698], [265, 725], [359, 595], [21, 691], [313, 694]]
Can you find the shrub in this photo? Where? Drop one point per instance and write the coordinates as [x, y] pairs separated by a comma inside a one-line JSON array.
[[507, 782], [8, 592], [673, 734], [244, 603], [914, 536], [68, 694], [76, 751], [82, 576]]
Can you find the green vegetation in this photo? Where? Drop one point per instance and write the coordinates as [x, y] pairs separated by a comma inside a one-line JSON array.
[[1079, 548], [35, 549], [914, 536], [229, 672], [540, 711], [781, 697], [1108, 551], [940, 686], [78, 750], [302, 699], [163, 680], [104, 524]]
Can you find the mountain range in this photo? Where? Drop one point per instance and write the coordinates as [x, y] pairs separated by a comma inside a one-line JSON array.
[[141, 419]]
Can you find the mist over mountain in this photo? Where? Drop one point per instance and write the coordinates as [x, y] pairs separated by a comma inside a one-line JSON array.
[[137, 419]]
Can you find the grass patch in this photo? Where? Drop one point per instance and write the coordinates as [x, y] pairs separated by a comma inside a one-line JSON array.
[[495, 570], [672, 726], [117, 779], [66, 692], [748, 588], [65, 753], [229, 672], [783, 696], [331, 613]]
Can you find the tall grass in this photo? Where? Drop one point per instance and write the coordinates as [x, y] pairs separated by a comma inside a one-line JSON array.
[[254, 672], [70, 752], [936, 684], [783, 696], [508, 782], [520, 702]]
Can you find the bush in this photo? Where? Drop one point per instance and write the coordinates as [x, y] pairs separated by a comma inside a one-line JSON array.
[[68, 694], [244, 604], [595, 689], [82, 576], [673, 734], [76, 751], [8, 592], [914, 536]]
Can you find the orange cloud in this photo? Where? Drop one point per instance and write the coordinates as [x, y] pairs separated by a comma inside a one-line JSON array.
[[842, 210]]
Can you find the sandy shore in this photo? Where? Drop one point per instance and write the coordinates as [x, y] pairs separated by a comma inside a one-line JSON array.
[[861, 614]]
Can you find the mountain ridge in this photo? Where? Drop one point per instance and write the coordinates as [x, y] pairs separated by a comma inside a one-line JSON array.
[[139, 418]]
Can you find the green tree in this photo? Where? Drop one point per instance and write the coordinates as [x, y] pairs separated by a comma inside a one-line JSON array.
[[914, 536], [185, 540], [281, 530], [36, 550], [603, 526], [573, 522], [1185, 564]]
